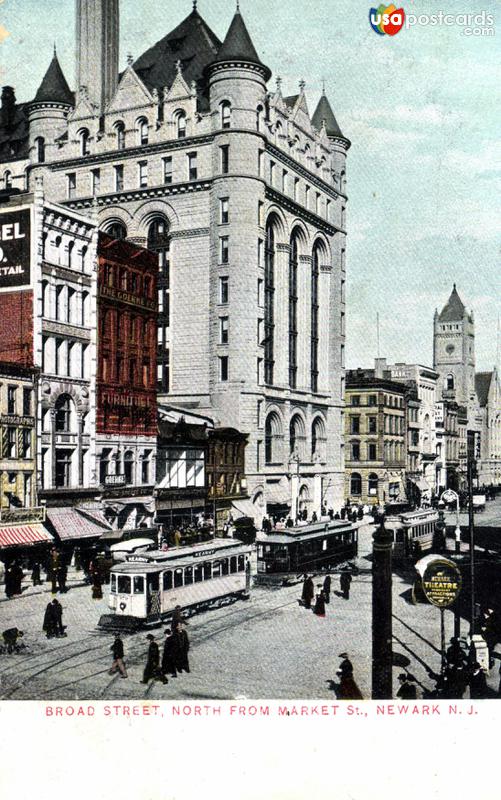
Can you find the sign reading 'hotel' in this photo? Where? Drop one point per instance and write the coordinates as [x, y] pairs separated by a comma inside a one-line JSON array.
[[15, 248]]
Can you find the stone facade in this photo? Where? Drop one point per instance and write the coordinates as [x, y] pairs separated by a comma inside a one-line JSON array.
[[243, 194]]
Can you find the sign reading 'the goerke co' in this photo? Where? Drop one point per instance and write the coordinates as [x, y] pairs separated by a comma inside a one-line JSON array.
[[15, 248]]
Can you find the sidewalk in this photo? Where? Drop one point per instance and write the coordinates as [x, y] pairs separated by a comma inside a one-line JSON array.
[[73, 580]]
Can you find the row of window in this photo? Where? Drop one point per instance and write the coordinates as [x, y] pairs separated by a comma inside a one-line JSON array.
[[19, 401], [64, 304], [356, 484], [290, 185], [297, 438], [356, 427], [113, 465], [64, 357], [67, 256], [16, 442]]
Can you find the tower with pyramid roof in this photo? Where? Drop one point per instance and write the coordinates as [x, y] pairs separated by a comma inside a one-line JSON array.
[[454, 350]]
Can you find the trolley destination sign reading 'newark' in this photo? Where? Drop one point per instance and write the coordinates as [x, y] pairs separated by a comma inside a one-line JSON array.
[[15, 248], [442, 582]]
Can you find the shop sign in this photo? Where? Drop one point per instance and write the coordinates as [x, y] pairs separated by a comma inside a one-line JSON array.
[[442, 582], [15, 248]]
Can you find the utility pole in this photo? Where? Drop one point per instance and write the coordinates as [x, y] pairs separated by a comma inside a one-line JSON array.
[[382, 651], [471, 525]]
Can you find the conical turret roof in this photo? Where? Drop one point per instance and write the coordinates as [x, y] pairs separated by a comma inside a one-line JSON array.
[[324, 113], [238, 45], [454, 309], [54, 87]]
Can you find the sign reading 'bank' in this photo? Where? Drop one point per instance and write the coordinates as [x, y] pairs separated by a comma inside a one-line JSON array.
[[15, 248]]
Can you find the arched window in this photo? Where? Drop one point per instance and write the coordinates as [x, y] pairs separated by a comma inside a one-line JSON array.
[[226, 114], [272, 436], [269, 305], [40, 149], [84, 142], [307, 153], [373, 484], [120, 134], [297, 436], [64, 414], [355, 484], [259, 117], [318, 439], [71, 245], [315, 304], [142, 130], [7, 180], [279, 129], [117, 230], [129, 467], [293, 302], [181, 125], [83, 256], [449, 382]]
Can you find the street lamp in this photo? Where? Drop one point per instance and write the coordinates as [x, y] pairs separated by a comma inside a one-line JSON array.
[[450, 496], [295, 459]]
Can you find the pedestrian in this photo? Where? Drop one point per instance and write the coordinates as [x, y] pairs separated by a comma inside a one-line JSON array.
[[343, 512], [345, 583], [327, 589], [406, 691], [319, 608], [17, 578], [97, 584], [117, 649], [360, 513], [331, 514], [478, 683], [168, 660], [177, 538], [177, 617], [308, 592], [152, 669], [54, 564], [62, 574], [290, 522], [180, 648], [314, 517], [49, 623], [57, 611], [455, 655], [9, 581], [348, 689], [10, 638], [36, 578]]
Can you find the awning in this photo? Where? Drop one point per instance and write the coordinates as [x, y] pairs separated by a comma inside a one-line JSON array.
[[69, 524], [24, 535], [246, 508], [277, 495], [125, 534]]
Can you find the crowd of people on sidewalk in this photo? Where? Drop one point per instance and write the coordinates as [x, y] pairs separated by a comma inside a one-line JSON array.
[[353, 513]]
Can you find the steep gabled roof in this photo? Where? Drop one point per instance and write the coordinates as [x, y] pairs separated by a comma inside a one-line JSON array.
[[192, 43], [324, 113], [291, 100], [238, 45], [454, 309], [482, 386], [54, 87]]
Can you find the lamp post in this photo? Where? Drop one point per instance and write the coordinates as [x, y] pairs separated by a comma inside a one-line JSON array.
[[450, 496], [382, 662], [294, 459]]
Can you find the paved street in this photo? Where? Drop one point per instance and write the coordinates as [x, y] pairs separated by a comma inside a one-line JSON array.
[[267, 647]]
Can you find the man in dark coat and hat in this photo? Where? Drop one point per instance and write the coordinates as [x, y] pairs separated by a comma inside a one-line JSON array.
[[180, 648], [152, 669], [49, 622], [319, 608], [168, 660], [478, 683], [348, 689], [345, 583], [177, 617], [327, 589], [57, 611], [407, 690], [117, 649], [308, 592]]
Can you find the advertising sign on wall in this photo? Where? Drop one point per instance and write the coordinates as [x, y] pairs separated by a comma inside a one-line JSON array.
[[15, 248]]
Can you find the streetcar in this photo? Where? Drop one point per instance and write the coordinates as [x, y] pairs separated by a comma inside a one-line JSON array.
[[146, 587], [286, 556], [413, 532]]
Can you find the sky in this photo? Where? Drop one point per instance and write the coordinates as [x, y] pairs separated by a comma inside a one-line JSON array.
[[421, 109]]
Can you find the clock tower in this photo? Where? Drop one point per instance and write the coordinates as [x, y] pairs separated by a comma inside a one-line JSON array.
[[454, 350]]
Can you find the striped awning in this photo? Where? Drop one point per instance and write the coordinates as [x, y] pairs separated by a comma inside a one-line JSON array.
[[69, 524], [24, 535]]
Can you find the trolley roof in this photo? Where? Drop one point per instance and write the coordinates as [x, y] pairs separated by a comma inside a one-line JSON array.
[[190, 553], [413, 517], [314, 531]]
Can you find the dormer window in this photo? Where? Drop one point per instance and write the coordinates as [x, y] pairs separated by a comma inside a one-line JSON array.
[[181, 125], [143, 130], [84, 142], [7, 180], [120, 134]]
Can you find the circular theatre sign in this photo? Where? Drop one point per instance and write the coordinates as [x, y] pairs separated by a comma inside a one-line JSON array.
[[442, 582]]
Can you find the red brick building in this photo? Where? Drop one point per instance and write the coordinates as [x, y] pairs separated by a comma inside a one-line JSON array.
[[126, 405]]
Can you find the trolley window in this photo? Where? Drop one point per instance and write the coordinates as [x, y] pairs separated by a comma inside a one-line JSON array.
[[188, 576], [154, 582], [233, 564], [207, 571], [167, 581], [241, 563], [216, 569], [178, 577], [123, 584], [113, 583], [138, 584], [324, 544], [225, 567], [260, 551], [199, 573]]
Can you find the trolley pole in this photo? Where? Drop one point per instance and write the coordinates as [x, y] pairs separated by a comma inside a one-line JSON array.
[[382, 677]]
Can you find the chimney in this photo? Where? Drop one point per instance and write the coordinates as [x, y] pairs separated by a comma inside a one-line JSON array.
[[8, 106], [379, 367]]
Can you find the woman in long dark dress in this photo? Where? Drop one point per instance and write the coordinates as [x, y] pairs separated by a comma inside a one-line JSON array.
[[319, 609]]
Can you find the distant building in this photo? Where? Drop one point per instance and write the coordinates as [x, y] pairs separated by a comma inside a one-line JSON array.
[[375, 437]]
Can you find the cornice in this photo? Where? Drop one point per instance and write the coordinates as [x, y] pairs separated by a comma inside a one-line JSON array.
[[305, 173], [301, 212], [117, 198]]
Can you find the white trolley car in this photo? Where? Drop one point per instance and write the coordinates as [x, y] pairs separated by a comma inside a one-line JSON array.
[[413, 533], [146, 588]]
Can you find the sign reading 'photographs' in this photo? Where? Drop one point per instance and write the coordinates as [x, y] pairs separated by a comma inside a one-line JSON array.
[[15, 248]]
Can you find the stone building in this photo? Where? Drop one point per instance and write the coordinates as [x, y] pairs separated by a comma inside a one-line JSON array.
[[376, 437], [242, 192]]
